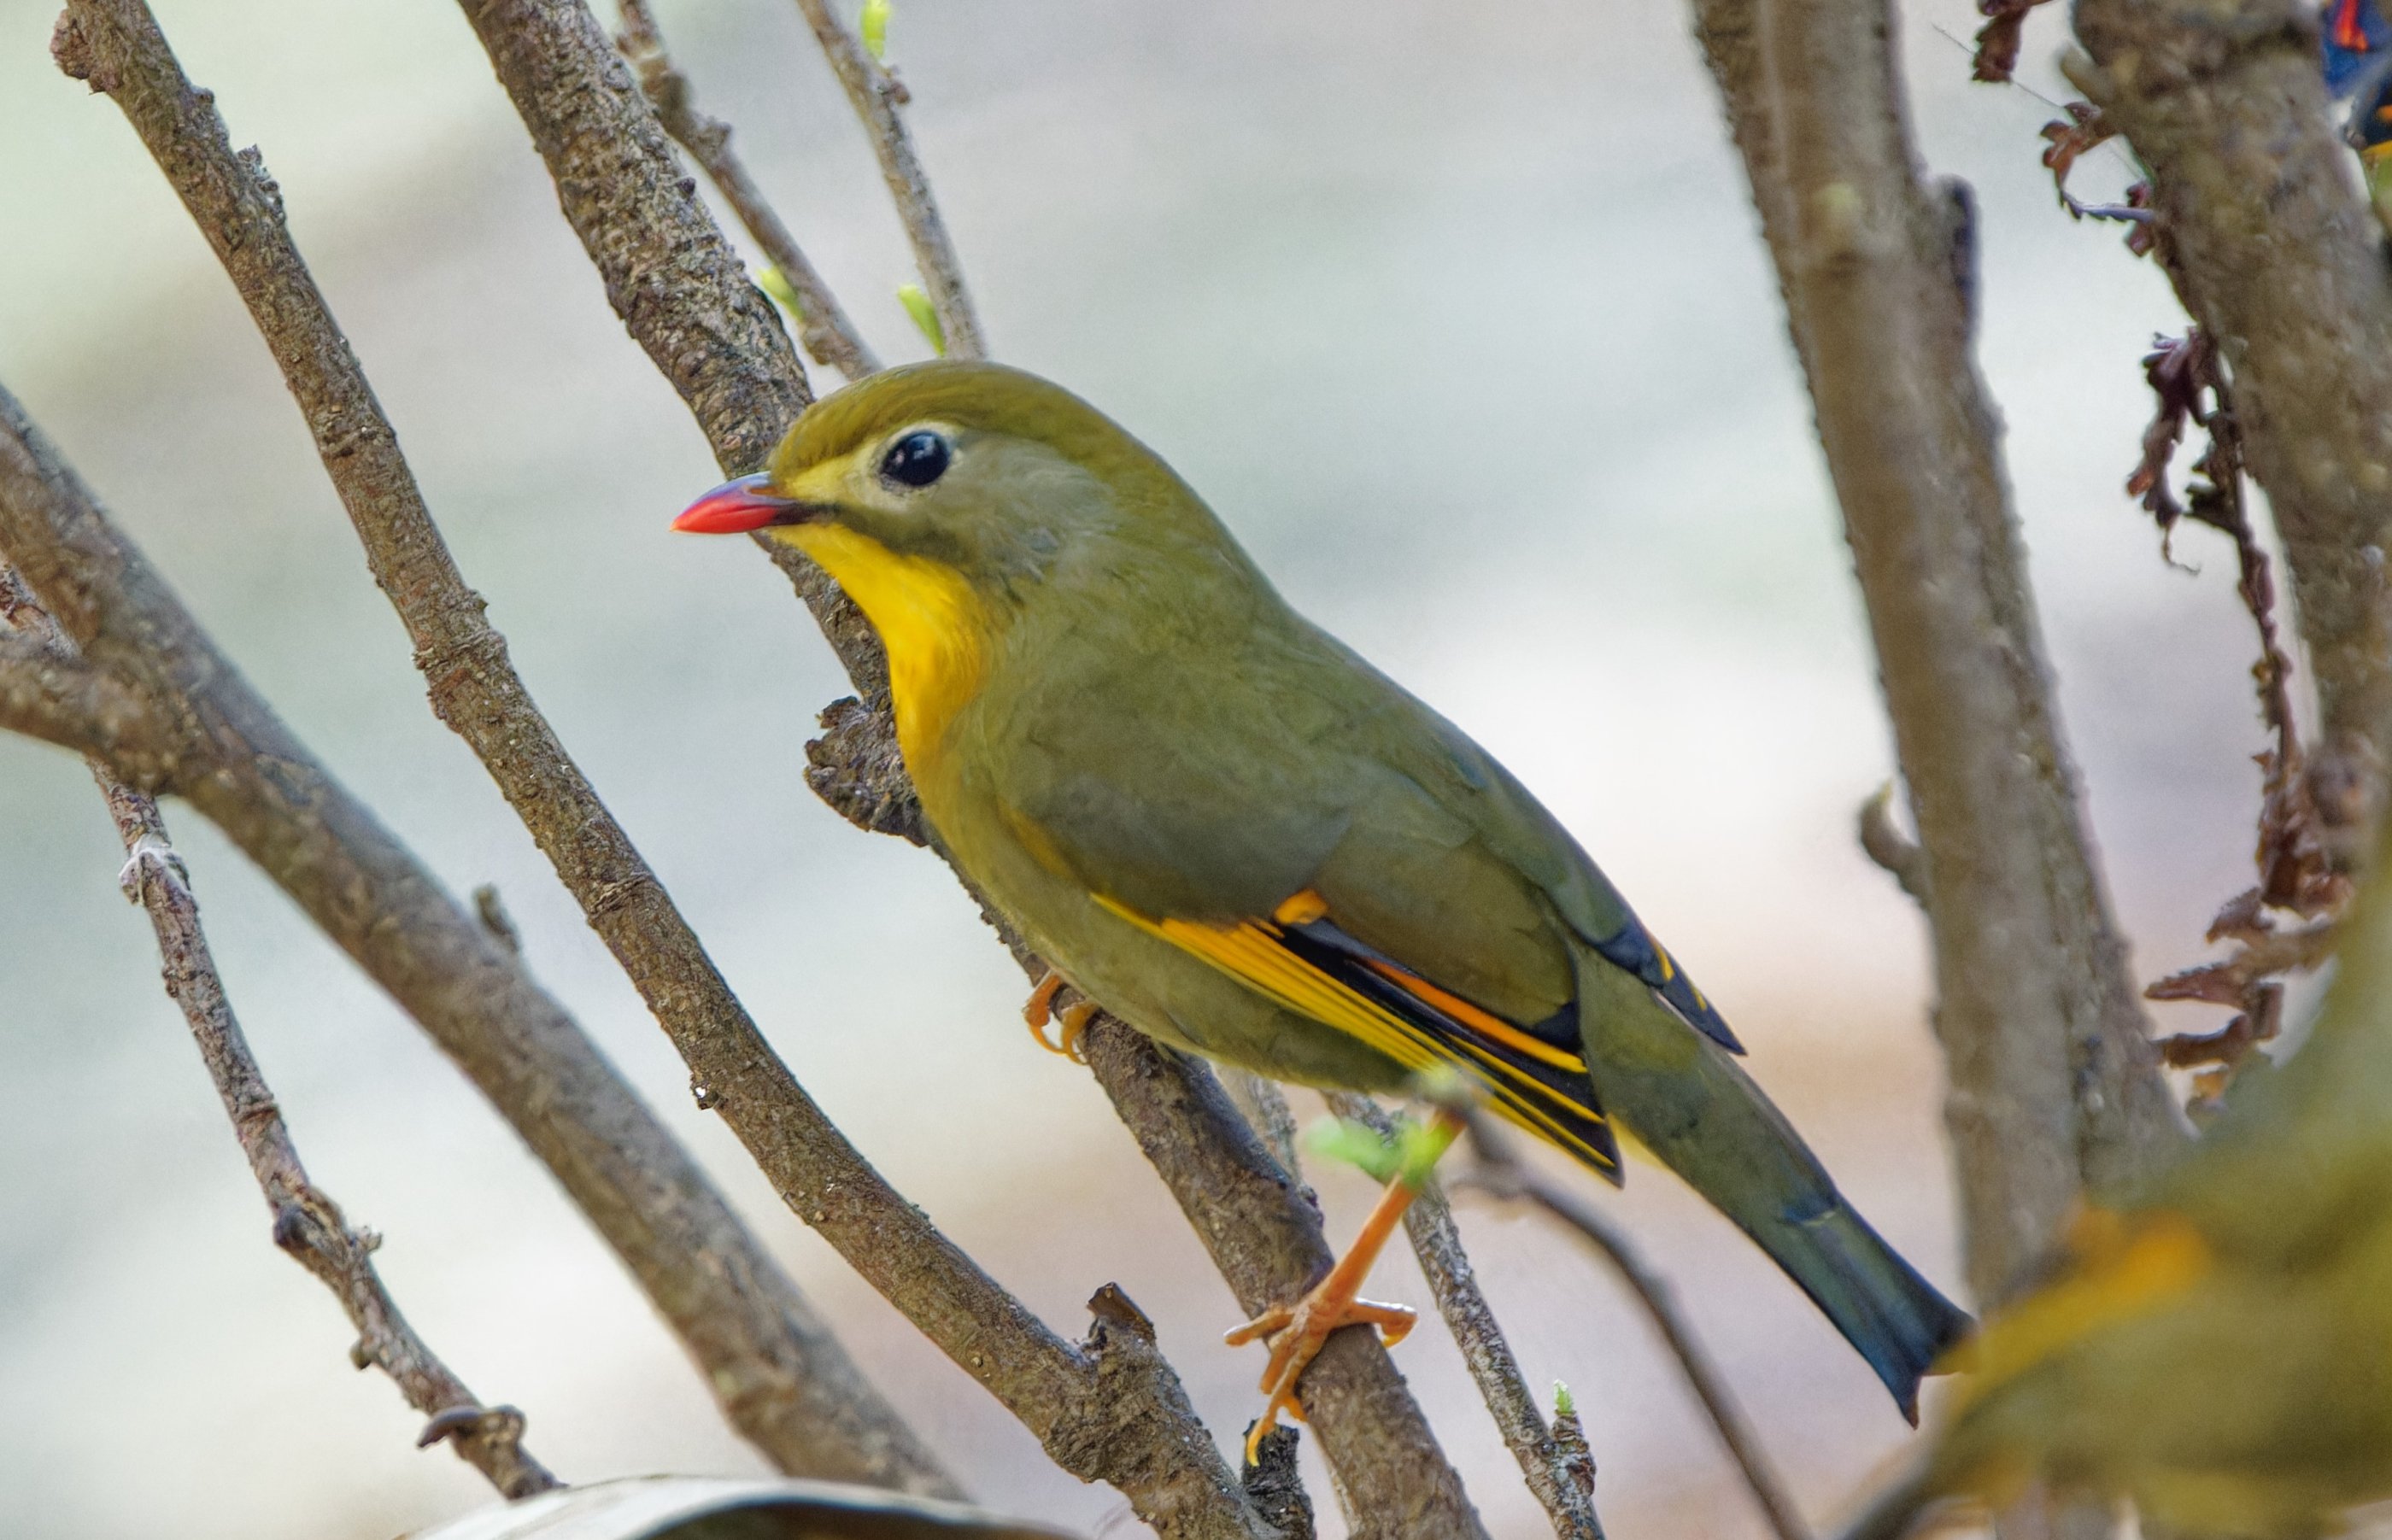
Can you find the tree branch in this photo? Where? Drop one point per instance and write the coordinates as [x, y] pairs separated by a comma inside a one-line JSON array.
[[1263, 1234], [307, 1223], [781, 1378], [1560, 1477], [571, 90], [2053, 1085], [875, 95], [1502, 1173], [49, 693], [2275, 251], [831, 339], [1150, 1446], [1262, 1103]]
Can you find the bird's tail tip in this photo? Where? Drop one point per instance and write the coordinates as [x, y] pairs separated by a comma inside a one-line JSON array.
[[1898, 1321]]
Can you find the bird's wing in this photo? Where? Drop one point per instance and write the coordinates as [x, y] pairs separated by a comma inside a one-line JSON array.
[[1519, 836], [1300, 957], [1335, 844]]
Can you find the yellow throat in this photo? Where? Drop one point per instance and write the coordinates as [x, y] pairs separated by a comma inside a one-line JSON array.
[[931, 624]]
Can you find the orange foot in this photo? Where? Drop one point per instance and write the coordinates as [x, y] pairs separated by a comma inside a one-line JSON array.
[[1040, 1009], [1296, 1334]]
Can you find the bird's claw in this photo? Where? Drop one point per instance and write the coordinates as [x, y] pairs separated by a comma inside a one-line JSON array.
[[1296, 1334], [1074, 1016]]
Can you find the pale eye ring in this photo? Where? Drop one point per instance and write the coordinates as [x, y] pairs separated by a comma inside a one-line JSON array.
[[916, 460]]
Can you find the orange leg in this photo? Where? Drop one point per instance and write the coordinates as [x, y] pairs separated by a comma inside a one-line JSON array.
[[1296, 1333], [1040, 1009]]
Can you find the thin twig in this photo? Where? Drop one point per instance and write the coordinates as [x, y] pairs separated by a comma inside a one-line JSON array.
[[2299, 875], [830, 337], [621, 193], [875, 95], [1561, 1478], [1499, 1172], [835, 1425], [307, 1223]]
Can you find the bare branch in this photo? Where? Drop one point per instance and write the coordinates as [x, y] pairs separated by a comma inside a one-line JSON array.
[[2053, 1081], [555, 63], [2275, 251], [1500, 1172], [51, 695], [679, 288], [1264, 1233], [307, 1223], [875, 95], [473, 685], [1150, 1446], [1561, 1478], [776, 1371], [1264, 1107], [830, 338]]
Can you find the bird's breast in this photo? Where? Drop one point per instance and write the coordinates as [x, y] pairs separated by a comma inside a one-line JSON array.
[[933, 626]]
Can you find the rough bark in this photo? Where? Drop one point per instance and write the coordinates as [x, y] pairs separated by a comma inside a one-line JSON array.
[[2278, 256], [1263, 1234], [2052, 1084]]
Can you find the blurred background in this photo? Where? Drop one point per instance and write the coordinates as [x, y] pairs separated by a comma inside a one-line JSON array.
[[1457, 315]]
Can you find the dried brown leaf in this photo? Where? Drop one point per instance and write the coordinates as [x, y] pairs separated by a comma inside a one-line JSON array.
[[1997, 39]]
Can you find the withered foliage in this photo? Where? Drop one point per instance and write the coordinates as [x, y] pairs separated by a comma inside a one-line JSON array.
[[1997, 39], [2298, 879], [2065, 143]]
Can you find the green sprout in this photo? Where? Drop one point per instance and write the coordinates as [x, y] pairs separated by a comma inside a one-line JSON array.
[[926, 316], [1564, 1404], [1408, 1158], [1355, 1143], [777, 283], [874, 25]]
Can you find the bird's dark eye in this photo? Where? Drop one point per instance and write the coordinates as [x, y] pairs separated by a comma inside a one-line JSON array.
[[918, 460]]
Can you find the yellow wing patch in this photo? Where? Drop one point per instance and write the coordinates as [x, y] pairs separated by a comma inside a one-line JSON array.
[[1255, 952]]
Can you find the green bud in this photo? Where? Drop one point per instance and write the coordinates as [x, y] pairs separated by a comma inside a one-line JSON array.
[[1408, 1158], [775, 283], [1565, 1404], [1418, 1145], [1356, 1144], [926, 316], [874, 25]]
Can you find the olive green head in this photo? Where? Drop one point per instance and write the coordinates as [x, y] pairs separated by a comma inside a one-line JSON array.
[[994, 474]]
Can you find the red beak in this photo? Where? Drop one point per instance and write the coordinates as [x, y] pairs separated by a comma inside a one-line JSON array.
[[737, 506]]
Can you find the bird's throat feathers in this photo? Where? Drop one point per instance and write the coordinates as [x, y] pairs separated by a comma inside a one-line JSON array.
[[933, 625]]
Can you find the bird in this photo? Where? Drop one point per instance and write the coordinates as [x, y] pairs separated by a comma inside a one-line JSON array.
[[2212, 1346], [1217, 823]]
